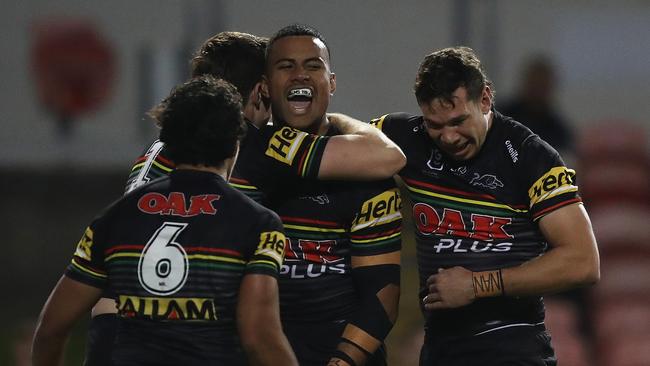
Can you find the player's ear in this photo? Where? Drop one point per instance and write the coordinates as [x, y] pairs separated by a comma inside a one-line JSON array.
[[486, 100], [332, 83]]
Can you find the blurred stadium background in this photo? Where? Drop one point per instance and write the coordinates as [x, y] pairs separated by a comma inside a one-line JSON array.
[[77, 77]]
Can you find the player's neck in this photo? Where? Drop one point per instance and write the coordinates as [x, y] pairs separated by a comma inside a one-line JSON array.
[[221, 171]]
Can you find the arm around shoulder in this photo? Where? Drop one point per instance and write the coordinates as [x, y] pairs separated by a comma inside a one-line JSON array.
[[362, 152]]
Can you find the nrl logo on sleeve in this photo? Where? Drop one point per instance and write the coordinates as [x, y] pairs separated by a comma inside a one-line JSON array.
[[284, 144], [556, 181]]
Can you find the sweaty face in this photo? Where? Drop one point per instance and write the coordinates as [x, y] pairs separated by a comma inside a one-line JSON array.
[[459, 130], [300, 81]]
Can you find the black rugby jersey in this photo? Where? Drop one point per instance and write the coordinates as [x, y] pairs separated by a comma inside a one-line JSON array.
[[268, 157], [326, 223], [174, 252], [481, 213]]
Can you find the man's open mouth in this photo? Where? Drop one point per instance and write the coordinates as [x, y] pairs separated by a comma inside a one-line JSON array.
[[299, 99]]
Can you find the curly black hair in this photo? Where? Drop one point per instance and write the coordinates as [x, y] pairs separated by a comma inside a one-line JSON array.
[[201, 121]]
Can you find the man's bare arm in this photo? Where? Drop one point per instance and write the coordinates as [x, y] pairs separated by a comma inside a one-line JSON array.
[[362, 152], [68, 301], [258, 321]]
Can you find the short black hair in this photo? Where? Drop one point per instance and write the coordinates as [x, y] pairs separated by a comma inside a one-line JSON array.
[[236, 57], [201, 121], [298, 30], [444, 71]]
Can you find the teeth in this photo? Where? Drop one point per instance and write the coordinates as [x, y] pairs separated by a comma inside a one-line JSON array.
[[302, 92]]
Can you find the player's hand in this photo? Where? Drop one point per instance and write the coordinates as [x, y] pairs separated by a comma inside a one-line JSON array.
[[449, 288], [335, 361]]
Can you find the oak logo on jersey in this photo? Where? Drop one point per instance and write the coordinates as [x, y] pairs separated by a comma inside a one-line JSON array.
[[483, 227], [160, 308], [175, 204], [284, 144], [272, 244], [84, 247], [556, 181], [383, 207]]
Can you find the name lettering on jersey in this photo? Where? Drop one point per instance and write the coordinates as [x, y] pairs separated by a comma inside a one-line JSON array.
[[486, 181], [272, 244], [556, 181], [315, 251], [450, 222], [166, 308], [514, 155], [84, 247], [383, 207], [175, 204], [312, 270], [284, 144], [465, 246]]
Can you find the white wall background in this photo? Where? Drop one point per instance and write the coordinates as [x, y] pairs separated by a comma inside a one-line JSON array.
[[602, 49]]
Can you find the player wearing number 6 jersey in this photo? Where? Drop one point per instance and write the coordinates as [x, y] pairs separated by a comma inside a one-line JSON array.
[[192, 262]]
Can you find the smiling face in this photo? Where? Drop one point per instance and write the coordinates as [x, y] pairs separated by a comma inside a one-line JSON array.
[[300, 82], [458, 129]]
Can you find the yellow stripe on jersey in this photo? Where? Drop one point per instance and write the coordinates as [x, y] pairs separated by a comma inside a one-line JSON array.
[[311, 228], [378, 221], [274, 264], [464, 200], [356, 241], [215, 258]]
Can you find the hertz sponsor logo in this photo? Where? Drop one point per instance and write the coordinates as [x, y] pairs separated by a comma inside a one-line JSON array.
[[556, 181], [85, 244], [272, 244], [156, 308], [284, 144], [383, 207]]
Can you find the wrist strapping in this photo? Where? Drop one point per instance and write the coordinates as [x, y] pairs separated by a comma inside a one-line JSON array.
[[488, 283]]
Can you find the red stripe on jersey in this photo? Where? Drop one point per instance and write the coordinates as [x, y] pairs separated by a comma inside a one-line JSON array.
[[214, 250], [376, 235], [554, 207], [448, 190], [123, 247]]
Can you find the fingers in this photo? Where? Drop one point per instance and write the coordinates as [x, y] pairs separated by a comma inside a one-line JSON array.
[[433, 301]]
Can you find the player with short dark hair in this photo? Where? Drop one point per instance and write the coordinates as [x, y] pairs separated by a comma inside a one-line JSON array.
[[192, 262], [498, 220], [339, 286]]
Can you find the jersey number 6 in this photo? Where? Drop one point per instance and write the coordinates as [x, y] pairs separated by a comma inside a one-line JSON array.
[[163, 265]]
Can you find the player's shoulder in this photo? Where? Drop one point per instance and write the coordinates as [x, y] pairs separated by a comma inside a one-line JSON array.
[[249, 208], [397, 120], [514, 132]]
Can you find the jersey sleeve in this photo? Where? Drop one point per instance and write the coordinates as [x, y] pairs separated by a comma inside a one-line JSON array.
[[87, 264], [152, 164], [550, 183], [269, 244], [376, 228], [396, 126]]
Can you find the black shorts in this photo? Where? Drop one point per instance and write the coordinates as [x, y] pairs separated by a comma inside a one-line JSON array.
[[519, 345], [314, 343], [100, 340]]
